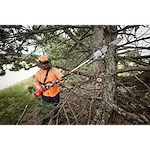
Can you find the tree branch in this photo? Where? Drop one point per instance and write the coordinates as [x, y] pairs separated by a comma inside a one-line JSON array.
[[67, 31], [128, 27], [141, 68], [130, 42], [133, 59], [140, 118]]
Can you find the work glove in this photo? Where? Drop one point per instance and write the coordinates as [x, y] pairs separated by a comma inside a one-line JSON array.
[[39, 92]]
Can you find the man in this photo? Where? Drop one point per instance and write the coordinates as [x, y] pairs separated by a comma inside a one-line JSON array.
[[46, 75]]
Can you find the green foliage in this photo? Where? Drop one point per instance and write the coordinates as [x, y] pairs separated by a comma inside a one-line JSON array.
[[64, 52], [45, 108], [133, 54], [125, 64], [26, 65]]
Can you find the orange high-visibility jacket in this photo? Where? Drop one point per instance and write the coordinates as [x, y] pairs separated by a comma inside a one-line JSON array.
[[53, 74]]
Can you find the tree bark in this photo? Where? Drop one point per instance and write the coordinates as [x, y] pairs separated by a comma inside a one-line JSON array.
[[97, 42], [104, 110]]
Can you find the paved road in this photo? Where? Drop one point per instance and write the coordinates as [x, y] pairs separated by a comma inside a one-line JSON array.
[[12, 77]]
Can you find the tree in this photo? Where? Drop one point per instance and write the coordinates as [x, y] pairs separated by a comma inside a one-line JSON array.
[[71, 44]]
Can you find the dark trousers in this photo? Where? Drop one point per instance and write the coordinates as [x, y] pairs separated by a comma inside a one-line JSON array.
[[55, 101]]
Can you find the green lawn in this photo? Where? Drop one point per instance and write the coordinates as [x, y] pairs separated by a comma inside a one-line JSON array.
[[13, 101]]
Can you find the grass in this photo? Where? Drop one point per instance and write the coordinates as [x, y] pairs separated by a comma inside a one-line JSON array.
[[13, 101]]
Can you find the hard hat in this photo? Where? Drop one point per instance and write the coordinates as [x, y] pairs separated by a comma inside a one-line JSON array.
[[42, 58]]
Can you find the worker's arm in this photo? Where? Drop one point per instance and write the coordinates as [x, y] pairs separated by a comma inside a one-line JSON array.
[[37, 83], [61, 78], [59, 74]]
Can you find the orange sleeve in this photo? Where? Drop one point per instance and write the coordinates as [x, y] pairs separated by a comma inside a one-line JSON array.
[[58, 74], [36, 81]]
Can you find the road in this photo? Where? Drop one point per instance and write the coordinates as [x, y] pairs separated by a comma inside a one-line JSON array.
[[12, 77]]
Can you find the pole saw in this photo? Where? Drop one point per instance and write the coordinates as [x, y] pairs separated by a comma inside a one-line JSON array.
[[99, 53]]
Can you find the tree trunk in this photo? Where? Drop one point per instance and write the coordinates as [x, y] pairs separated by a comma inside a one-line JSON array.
[[105, 108], [97, 41]]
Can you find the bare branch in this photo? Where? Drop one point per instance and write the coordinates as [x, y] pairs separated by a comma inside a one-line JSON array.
[[130, 42], [132, 116], [133, 59], [140, 68], [67, 31], [133, 47], [142, 82], [75, 117], [128, 27], [66, 115]]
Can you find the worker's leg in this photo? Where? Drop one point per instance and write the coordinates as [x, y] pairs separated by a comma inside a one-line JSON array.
[[55, 101], [46, 99]]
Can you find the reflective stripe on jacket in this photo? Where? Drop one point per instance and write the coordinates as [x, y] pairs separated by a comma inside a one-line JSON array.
[[53, 75]]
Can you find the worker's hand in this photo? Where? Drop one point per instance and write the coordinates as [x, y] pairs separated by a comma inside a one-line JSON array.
[[42, 89], [38, 93], [61, 79]]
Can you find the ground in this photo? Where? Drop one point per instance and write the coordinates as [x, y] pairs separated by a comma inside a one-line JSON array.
[[79, 102]]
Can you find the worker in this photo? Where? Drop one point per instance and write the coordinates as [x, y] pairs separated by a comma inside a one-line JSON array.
[[46, 75]]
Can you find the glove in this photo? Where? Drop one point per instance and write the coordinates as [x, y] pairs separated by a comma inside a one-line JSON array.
[[39, 92]]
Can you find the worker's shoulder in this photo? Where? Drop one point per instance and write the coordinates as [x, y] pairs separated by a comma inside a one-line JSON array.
[[55, 68], [38, 71]]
